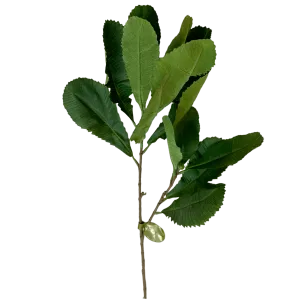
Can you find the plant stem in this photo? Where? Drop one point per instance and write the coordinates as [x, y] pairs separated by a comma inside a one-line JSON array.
[[141, 194], [146, 149], [161, 200], [136, 162]]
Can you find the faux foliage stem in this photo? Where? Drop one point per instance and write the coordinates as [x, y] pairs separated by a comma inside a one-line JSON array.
[[141, 194]]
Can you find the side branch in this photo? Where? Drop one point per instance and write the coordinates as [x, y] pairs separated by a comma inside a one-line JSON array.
[[161, 200]]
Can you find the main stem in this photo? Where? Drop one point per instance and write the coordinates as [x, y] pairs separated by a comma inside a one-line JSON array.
[[141, 221]]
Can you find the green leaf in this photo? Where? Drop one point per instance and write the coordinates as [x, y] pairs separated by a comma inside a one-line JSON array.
[[140, 54], [160, 131], [182, 35], [153, 232], [195, 33], [148, 13], [115, 69], [124, 104], [187, 134], [226, 152], [89, 105], [188, 98], [172, 72], [202, 148], [192, 178], [190, 81], [194, 209], [174, 150], [198, 33]]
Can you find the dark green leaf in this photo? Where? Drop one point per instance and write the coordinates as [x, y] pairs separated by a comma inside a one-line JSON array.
[[226, 152], [115, 69], [160, 131], [125, 105], [89, 105], [192, 178], [181, 37], [194, 209], [198, 33], [187, 134], [148, 13], [189, 177]]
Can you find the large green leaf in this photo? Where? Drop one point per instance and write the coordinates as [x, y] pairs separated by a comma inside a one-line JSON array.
[[172, 72], [194, 209], [115, 69], [182, 35], [188, 98], [148, 13], [160, 133], [226, 152], [174, 150], [153, 232], [198, 33], [89, 105], [140, 54], [187, 134]]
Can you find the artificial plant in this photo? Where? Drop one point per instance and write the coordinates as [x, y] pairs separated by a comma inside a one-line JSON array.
[[134, 67]]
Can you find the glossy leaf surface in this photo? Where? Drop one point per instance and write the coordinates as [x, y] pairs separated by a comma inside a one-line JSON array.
[[153, 232]]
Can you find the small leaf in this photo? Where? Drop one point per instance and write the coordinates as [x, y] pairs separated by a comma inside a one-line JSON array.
[[198, 33], [160, 133], [188, 98], [187, 134], [140, 54], [182, 35], [226, 152], [153, 232], [194, 209], [148, 13], [89, 105], [174, 150], [172, 72], [117, 78]]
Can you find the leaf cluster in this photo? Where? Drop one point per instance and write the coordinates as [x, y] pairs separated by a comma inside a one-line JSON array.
[[134, 68]]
